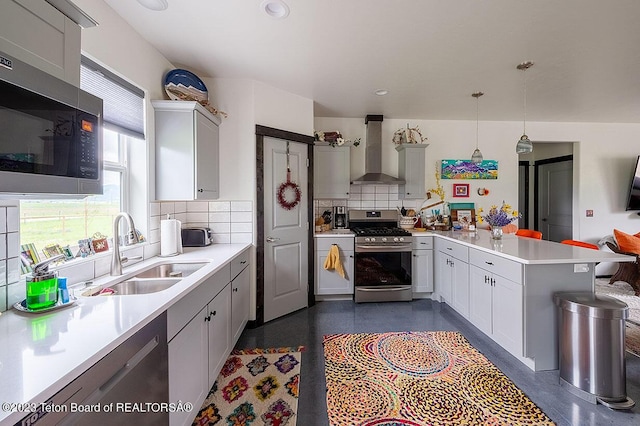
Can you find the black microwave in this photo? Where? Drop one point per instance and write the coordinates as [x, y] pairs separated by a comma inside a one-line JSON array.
[[50, 134]]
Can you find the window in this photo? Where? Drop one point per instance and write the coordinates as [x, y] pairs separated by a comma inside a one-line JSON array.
[[64, 222]]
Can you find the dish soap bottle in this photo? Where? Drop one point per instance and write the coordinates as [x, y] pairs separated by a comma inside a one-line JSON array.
[[42, 286]]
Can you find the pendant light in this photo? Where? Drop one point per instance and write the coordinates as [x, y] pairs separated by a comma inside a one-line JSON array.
[[524, 145], [476, 157]]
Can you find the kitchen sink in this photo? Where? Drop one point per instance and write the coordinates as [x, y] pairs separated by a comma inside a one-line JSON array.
[[151, 280], [170, 270], [133, 286]]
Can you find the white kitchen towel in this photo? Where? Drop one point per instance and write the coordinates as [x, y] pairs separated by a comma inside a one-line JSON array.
[[170, 237]]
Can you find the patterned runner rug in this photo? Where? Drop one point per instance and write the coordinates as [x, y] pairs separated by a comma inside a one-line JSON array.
[[255, 387], [419, 378], [624, 292]]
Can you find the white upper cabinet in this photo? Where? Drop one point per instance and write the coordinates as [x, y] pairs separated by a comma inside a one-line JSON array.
[[411, 168], [36, 33], [331, 171], [187, 151]]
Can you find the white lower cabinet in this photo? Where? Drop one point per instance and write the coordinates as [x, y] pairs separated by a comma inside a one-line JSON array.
[[422, 265], [497, 301], [330, 282], [240, 295], [199, 335], [219, 337], [188, 358], [452, 279]]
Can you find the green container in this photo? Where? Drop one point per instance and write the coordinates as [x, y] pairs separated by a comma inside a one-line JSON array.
[[42, 292]]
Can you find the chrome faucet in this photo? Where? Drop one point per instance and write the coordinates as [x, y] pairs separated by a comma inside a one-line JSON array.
[[130, 238]]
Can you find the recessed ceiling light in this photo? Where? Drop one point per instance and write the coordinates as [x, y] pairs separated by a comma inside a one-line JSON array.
[[277, 9], [381, 92], [155, 4]]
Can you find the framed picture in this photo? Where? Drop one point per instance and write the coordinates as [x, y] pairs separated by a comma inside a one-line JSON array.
[[460, 189], [467, 216], [465, 169]]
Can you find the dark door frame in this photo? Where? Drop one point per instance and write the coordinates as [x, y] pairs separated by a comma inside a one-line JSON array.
[[261, 133], [524, 186], [536, 187]]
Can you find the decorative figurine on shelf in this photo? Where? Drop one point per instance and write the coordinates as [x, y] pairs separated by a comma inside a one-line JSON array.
[[334, 138]]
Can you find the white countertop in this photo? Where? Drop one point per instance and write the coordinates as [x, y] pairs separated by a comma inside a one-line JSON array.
[[528, 250], [41, 353], [333, 233], [520, 249]]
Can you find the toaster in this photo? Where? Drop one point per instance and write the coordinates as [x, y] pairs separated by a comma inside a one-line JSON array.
[[196, 237]]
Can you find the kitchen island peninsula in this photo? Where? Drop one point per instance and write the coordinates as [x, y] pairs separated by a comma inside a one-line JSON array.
[[505, 287]]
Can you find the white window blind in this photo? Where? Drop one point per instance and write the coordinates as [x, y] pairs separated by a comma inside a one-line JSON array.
[[123, 103]]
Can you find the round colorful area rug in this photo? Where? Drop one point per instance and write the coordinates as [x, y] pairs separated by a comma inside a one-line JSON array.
[[419, 378]]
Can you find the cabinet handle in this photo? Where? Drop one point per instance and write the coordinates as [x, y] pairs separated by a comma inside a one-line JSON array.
[[207, 318], [213, 313], [200, 190], [493, 282], [486, 279], [243, 262], [235, 289], [489, 263], [449, 248]]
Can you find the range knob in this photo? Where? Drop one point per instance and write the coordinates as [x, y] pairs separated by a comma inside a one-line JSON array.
[[396, 239], [401, 239], [384, 239], [367, 239], [373, 240]]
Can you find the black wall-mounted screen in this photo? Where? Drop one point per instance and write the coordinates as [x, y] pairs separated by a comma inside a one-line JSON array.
[[633, 200]]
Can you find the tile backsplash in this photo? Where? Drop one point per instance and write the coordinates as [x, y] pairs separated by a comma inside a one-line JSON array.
[[9, 253], [364, 197], [230, 222]]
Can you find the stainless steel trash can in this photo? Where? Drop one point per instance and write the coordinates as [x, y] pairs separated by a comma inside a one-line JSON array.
[[592, 363]]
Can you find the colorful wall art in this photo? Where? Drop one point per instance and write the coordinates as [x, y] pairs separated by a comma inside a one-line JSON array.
[[465, 169]]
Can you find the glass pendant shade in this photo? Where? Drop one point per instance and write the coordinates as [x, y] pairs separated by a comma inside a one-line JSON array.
[[524, 145], [477, 156]]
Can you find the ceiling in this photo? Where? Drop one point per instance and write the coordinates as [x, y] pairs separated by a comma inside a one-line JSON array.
[[431, 55]]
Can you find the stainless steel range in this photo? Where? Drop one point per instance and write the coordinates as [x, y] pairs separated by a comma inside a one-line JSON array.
[[382, 256]]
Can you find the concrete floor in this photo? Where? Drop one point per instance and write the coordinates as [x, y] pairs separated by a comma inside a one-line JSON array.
[[306, 327]]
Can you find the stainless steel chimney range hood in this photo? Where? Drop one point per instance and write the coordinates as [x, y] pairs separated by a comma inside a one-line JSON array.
[[373, 156]]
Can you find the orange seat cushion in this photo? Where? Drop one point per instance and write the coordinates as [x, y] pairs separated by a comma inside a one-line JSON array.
[[628, 243], [580, 244], [510, 228]]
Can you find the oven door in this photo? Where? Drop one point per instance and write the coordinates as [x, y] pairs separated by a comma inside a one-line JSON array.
[[382, 273]]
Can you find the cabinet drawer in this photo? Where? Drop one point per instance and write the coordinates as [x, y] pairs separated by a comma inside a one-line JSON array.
[[506, 268], [422, 243], [456, 250], [181, 312], [239, 263], [345, 243]]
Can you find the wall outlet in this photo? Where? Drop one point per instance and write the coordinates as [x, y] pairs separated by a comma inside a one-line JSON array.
[[580, 267], [589, 213]]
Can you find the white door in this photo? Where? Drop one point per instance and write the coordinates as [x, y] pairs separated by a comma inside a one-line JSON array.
[[555, 209], [285, 231]]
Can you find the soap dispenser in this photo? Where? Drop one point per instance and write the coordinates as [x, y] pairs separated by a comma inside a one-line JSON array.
[[42, 285]]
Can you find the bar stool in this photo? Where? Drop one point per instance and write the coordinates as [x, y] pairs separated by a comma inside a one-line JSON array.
[[580, 244], [529, 233]]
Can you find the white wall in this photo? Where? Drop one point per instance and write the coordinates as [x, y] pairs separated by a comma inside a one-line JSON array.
[[605, 155]]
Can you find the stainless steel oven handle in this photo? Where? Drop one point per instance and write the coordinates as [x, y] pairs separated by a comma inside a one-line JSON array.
[[383, 289], [363, 249]]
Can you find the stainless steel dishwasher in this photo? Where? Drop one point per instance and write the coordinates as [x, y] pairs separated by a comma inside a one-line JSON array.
[[127, 386]]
